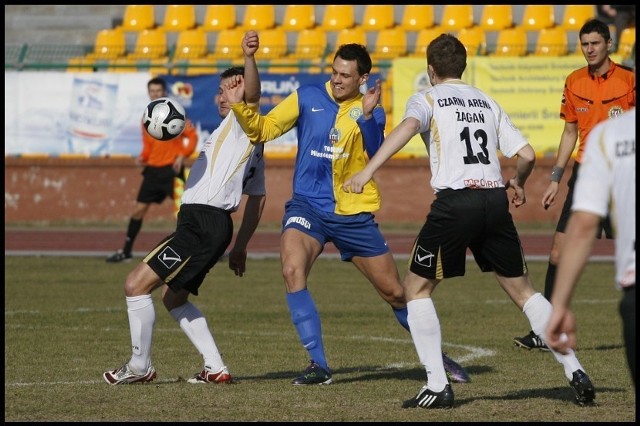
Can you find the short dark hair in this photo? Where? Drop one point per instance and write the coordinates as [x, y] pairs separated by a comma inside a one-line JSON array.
[[447, 55], [357, 52], [158, 81], [230, 72], [596, 26]]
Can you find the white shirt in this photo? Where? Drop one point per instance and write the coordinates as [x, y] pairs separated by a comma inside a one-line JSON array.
[[463, 129], [607, 183], [228, 166]]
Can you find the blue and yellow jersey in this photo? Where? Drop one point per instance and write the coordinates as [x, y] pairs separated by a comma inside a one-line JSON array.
[[334, 142]]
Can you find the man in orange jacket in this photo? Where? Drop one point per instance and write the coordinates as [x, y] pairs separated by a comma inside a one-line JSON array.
[[163, 161]]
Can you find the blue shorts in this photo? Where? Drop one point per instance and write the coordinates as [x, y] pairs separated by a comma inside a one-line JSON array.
[[353, 235]]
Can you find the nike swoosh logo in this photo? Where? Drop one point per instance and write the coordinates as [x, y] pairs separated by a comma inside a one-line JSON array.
[[314, 109], [165, 257], [421, 258]]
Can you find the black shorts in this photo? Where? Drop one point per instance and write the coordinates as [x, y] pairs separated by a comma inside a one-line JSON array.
[[184, 258], [157, 184], [477, 219], [605, 223]]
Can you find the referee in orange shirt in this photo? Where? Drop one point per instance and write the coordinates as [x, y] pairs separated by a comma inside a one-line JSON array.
[[601, 90], [163, 161]]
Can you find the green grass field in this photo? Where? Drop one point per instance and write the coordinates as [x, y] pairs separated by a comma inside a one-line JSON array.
[[66, 323]]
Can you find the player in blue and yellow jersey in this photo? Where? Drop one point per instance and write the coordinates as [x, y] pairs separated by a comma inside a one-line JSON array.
[[338, 129]]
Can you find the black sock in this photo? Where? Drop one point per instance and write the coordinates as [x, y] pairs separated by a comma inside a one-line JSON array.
[[132, 232], [549, 280]]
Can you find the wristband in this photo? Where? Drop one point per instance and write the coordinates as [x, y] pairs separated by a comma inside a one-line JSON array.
[[556, 174]]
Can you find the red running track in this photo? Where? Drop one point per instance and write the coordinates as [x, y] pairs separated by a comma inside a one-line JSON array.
[[100, 242]]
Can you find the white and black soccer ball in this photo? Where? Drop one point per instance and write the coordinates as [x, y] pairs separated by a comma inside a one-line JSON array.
[[164, 119]]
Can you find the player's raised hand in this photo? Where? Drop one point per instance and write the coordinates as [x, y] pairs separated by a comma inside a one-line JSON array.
[[250, 43], [371, 99]]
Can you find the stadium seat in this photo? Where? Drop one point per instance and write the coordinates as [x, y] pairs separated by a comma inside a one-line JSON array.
[[109, 44], [273, 44], [378, 17], [511, 42], [424, 37], [345, 36], [219, 17], [536, 17], [496, 17], [456, 17], [551, 42], [259, 17], [310, 44], [150, 44], [575, 15], [191, 44], [308, 53], [390, 43], [474, 40], [416, 17], [627, 43], [299, 17], [179, 17], [138, 17], [350, 35], [338, 17], [227, 45]]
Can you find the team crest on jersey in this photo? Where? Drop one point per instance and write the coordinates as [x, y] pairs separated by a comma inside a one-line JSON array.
[[334, 136], [615, 111], [355, 113]]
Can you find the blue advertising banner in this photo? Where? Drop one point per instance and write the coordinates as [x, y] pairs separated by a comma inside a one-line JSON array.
[[98, 114]]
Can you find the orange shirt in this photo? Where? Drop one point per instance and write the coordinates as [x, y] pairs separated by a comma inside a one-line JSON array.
[[157, 153], [588, 99]]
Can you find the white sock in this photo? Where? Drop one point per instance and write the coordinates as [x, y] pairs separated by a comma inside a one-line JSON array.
[[425, 332], [194, 325], [538, 311], [142, 316]]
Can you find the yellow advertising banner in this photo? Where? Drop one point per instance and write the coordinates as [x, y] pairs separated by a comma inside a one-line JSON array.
[[529, 89]]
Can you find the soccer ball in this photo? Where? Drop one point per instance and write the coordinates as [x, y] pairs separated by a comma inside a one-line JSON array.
[[164, 119]]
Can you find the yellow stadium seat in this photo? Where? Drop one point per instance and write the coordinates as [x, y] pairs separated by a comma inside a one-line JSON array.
[[198, 66], [219, 17], [308, 54], [338, 17], [299, 17], [474, 40], [416, 17], [109, 44], [536, 17], [378, 17], [138, 17], [310, 44], [551, 42], [575, 15], [191, 44], [227, 45], [424, 37], [179, 17], [150, 44], [511, 42], [456, 16], [496, 17], [351, 35], [259, 17], [390, 43], [273, 44], [627, 43]]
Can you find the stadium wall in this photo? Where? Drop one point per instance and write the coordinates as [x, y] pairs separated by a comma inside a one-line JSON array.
[[49, 191]]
